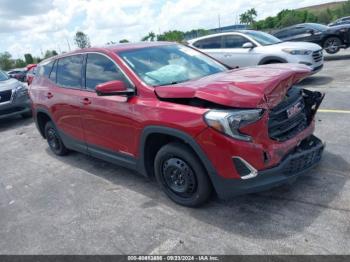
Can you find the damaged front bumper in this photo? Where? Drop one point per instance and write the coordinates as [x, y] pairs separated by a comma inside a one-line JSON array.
[[304, 157]]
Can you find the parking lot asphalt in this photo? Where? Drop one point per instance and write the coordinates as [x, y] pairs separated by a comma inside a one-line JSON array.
[[80, 205]]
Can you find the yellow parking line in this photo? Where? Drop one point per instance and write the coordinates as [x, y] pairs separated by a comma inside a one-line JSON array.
[[334, 111]]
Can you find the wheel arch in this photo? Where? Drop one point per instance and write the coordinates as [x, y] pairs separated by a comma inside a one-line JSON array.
[[267, 59], [161, 133], [42, 116]]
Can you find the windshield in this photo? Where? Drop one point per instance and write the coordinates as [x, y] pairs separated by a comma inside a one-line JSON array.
[[263, 38], [170, 64], [318, 27], [3, 76]]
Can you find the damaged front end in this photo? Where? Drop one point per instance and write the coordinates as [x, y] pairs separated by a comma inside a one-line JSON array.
[[294, 114]]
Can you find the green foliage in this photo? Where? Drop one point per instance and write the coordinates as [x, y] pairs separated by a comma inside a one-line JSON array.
[[124, 41], [5, 61], [248, 17], [29, 58], [20, 63], [150, 37], [292, 17], [173, 36], [81, 40], [50, 53]]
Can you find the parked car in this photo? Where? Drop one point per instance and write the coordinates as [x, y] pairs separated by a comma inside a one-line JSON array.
[[248, 48], [332, 39], [19, 74], [170, 111], [14, 98], [341, 21], [30, 74]]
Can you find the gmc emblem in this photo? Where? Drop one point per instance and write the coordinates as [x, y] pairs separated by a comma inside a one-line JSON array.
[[294, 110]]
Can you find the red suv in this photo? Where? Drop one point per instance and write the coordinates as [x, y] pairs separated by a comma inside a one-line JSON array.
[[169, 111]]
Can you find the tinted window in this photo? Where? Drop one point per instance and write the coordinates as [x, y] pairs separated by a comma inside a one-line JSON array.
[[54, 72], [100, 69], [45, 69], [209, 43], [234, 41], [69, 71], [281, 34]]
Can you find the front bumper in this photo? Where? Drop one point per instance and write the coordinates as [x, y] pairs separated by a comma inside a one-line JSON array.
[[301, 159], [16, 106]]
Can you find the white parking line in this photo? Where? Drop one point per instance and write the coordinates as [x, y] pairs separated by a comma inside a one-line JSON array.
[[334, 111]]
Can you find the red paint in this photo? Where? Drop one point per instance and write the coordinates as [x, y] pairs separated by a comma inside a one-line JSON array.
[[116, 122]]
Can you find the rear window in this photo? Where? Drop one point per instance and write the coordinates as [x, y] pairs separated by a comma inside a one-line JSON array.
[[69, 71]]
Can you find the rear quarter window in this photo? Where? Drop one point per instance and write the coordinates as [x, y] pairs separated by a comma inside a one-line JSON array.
[[45, 69]]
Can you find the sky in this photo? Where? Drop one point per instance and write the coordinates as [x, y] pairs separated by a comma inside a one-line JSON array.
[[34, 26]]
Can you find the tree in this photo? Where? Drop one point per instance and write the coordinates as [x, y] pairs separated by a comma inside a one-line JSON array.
[[5, 61], [248, 17], [20, 63], [124, 41], [324, 17], [82, 40], [173, 36], [150, 37], [50, 53], [111, 43], [28, 58]]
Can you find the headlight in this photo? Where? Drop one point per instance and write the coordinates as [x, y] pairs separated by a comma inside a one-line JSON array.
[[21, 90], [343, 30], [230, 121], [297, 51]]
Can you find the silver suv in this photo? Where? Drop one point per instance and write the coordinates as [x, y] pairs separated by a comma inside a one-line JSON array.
[[14, 98], [250, 48]]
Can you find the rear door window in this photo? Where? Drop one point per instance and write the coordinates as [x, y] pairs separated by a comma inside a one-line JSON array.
[[209, 43], [100, 69], [45, 69], [69, 71]]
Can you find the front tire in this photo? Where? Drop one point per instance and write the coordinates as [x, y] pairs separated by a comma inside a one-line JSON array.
[[332, 45], [181, 175], [54, 140]]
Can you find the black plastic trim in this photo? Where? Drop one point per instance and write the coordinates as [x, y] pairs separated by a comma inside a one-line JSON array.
[[272, 58]]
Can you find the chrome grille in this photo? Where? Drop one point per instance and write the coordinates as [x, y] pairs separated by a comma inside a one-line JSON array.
[[282, 125]]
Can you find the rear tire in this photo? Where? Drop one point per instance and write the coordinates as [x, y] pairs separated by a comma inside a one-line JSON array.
[[332, 45], [181, 175], [54, 140]]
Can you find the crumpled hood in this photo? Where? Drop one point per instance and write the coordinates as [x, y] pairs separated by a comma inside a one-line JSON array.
[[9, 84], [253, 87]]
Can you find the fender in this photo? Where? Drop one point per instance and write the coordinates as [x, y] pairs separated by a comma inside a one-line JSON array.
[[189, 140], [272, 58]]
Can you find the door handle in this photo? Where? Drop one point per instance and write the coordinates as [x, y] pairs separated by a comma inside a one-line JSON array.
[[49, 95], [86, 101]]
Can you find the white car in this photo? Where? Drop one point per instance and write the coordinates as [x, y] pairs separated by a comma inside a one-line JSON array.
[[249, 48]]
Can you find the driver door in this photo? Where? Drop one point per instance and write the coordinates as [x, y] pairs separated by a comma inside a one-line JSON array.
[[107, 120]]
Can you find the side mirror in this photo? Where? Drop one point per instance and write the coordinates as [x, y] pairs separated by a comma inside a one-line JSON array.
[[113, 88], [248, 45]]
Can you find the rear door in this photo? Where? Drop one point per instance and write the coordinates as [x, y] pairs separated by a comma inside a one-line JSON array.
[[65, 100], [211, 46], [107, 120]]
